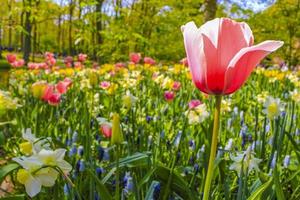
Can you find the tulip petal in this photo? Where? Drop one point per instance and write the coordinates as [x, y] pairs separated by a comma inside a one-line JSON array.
[[222, 40], [194, 49], [243, 63]]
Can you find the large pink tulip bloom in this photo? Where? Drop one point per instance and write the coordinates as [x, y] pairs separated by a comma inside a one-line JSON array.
[[221, 54]]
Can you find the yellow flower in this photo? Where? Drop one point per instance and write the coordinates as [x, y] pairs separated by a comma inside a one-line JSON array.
[[226, 105], [26, 148], [113, 87], [22, 176], [38, 89], [295, 96], [262, 96], [167, 83]]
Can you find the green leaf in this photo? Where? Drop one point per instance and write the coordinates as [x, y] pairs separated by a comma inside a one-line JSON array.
[[278, 188], [257, 194], [178, 184], [135, 160], [104, 193], [14, 197], [149, 195], [6, 169]]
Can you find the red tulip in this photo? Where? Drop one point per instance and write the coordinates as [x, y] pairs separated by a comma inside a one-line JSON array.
[[135, 57], [106, 129], [221, 54], [11, 58], [169, 96]]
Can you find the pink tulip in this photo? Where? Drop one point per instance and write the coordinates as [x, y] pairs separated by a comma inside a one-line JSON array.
[[176, 85], [194, 103], [52, 61], [11, 58], [61, 87], [104, 85], [135, 57], [120, 65], [169, 96], [49, 55], [221, 54], [82, 57], [77, 64], [149, 61], [106, 130], [51, 96], [18, 63], [32, 65], [68, 81]]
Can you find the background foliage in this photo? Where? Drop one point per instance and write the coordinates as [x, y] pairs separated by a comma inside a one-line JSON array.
[[108, 30]]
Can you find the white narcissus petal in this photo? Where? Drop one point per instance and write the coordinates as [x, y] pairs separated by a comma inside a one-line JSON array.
[[64, 166], [60, 154], [32, 186], [47, 176]]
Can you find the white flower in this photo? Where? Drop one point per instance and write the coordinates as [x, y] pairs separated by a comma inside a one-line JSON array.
[[55, 158], [197, 114], [33, 176], [273, 107], [33, 144], [246, 160]]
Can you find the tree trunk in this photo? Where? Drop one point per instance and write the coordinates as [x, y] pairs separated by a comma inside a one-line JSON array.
[[22, 34], [27, 40], [71, 9], [210, 9], [9, 24], [99, 24]]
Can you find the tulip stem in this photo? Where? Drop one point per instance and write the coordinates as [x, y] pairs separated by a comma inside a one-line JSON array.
[[213, 148], [117, 196]]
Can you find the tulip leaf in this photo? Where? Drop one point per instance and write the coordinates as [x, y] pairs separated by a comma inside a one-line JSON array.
[[135, 160], [178, 184], [259, 191], [151, 190], [6, 169], [14, 197], [104, 193]]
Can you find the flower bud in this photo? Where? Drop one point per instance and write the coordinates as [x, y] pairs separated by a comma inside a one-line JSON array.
[[117, 137]]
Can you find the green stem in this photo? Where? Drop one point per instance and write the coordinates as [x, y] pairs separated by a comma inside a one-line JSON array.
[[213, 148], [117, 174]]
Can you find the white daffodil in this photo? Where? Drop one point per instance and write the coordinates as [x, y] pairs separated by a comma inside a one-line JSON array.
[[54, 158], [198, 114], [273, 107], [245, 161], [33, 144], [33, 175], [295, 96], [129, 100]]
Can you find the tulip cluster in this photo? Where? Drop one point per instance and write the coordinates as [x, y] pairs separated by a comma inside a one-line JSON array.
[[14, 62], [50, 93]]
